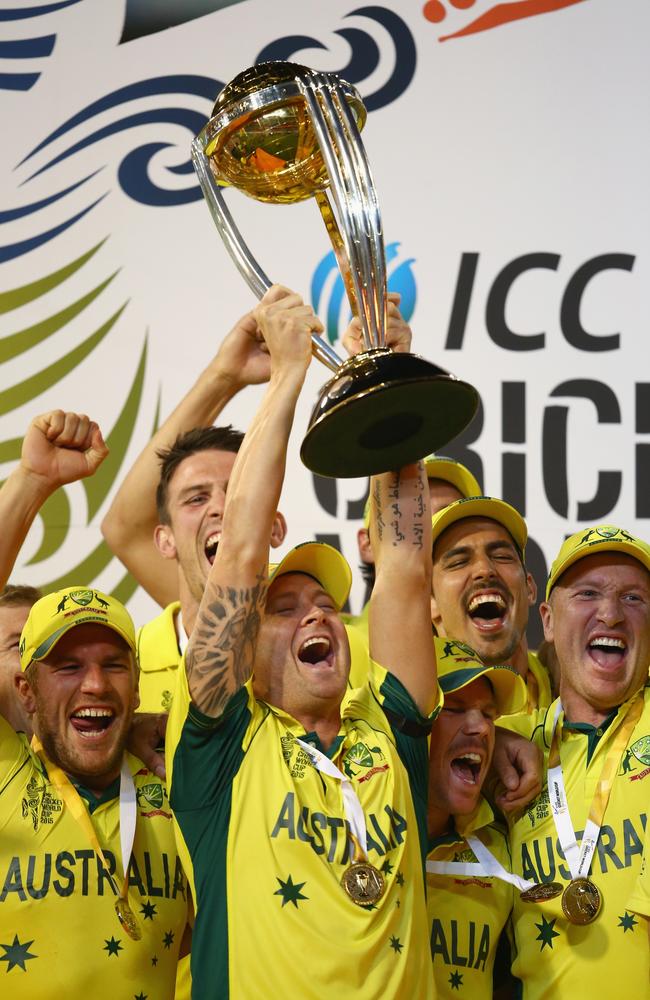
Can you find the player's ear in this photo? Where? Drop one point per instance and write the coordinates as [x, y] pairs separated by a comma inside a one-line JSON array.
[[279, 530], [163, 538], [546, 614], [436, 617], [25, 692], [364, 546], [531, 589]]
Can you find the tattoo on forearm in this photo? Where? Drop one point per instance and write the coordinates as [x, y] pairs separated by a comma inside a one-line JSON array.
[[379, 514], [403, 502], [220, 656]]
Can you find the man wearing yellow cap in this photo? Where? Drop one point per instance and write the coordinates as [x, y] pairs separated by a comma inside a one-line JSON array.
[[580, 842], [469, 885], [306, 824], [481, 591], [91, 888]]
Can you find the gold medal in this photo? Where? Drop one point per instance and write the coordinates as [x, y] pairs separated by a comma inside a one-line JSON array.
[[127, 918], [581, 901], [363, 883], [541, 892]]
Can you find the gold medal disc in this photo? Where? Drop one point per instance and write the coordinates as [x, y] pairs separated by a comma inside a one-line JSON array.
[[541, 892], [127, 918], [581, 901], [363, 883]]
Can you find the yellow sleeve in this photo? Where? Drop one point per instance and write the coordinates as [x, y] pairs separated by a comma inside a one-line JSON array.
[[14, 751]]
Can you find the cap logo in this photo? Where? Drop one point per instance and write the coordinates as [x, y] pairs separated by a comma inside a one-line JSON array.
[[456, 649], [607, 532], [82, 597]]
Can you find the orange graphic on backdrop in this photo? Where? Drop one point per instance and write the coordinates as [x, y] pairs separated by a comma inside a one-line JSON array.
[[502, 13]]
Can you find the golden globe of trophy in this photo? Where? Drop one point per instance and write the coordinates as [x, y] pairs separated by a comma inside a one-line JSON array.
[[281, 133]]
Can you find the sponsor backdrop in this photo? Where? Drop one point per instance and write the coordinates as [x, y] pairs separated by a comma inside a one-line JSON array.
[[509, 151]]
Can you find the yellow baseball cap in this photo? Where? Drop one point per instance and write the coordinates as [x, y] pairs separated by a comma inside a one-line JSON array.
[[56, 613], [458, 666], [489, 507], [442, 467], [321, 561], [590, 541]]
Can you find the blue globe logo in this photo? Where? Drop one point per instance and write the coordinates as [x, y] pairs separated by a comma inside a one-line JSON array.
[[328, 292]]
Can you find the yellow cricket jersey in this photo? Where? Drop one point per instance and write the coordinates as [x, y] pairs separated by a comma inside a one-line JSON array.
[[554, 957], [266, 833], [59, 933], [467, 914], [159, 658]]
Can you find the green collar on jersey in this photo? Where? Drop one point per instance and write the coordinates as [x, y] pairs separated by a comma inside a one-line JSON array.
[[314, 741], [92, 800], [593, 733]]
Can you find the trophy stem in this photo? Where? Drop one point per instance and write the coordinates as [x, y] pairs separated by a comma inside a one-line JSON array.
[[355, 200], [338, 246], [239, 251]]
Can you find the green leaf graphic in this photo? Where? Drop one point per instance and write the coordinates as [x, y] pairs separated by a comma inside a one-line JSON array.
[[17, 343], [22, 393], [98, 486], [10, 449], [84, 572], [27, 293]]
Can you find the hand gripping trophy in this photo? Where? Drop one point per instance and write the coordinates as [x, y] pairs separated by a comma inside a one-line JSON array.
[[281, 133]]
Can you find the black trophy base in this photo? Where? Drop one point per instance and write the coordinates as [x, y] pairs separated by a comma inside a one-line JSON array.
[[383, 410]]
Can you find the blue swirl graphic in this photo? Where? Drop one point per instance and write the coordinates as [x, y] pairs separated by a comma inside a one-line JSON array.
[[134, 179], [133, 171], [19, 14], [36, 206], [27, 48], [400, 279], [24, 48], [14, 250], [192, 120], [18, 81], [200, 86], [365, 54]]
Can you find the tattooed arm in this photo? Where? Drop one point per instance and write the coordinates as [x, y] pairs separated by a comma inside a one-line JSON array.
[[221, 652], [400, 610]]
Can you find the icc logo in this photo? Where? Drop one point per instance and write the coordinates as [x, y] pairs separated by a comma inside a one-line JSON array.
[[328, 293]]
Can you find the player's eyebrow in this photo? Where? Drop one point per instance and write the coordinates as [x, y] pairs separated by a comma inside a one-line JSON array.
[[501, 543], [458, 550], [194, 488]]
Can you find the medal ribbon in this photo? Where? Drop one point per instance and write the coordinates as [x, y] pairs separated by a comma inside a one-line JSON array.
[[181, 634], [353, 812], [487, 865], [579, 858], [75, 804]]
